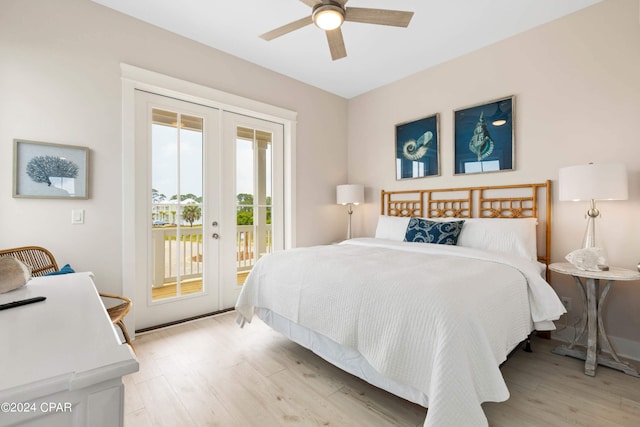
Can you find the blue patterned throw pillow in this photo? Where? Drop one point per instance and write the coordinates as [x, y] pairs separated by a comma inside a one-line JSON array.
[[425, 231]]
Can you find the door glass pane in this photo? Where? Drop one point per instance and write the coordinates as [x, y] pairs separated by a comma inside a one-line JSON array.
[[254, 194], [177, 215]]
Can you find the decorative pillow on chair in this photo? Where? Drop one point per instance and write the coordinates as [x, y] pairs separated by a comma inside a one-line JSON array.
[[425, 231], [64, 270], [13, 274]]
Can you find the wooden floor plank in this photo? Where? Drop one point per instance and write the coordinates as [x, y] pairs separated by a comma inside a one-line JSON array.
[[211, 372], [313, 402], [188, 382], [163, 408], [250, 397], [376, 405], [138, 418], [133, 402]]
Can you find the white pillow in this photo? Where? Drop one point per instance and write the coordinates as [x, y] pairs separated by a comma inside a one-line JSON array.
[[516, 236], [392, 227], [13, 274]]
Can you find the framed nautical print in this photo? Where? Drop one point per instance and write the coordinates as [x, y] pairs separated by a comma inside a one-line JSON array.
[[484, 137], [418, 148]]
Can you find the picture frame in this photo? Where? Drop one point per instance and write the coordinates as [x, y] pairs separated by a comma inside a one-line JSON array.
[[484, 137], [417, 148], [45, 170]]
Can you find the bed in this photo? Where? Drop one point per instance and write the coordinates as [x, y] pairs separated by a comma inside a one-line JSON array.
[[428, 322]]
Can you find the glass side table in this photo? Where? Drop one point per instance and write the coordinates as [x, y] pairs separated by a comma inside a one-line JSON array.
[[592, 318]]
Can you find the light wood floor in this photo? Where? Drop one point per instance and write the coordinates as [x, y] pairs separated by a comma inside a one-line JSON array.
[[212, 373]]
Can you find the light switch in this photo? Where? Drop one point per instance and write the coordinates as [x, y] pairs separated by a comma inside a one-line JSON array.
[[77, 216]]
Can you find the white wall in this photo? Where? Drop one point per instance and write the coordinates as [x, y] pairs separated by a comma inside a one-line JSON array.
[[60, 82], [577, 88]]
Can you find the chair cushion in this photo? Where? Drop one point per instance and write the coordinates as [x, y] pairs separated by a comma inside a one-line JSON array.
[[64, 270], [13, 274]]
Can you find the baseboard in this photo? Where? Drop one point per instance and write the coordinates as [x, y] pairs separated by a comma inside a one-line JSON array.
[[178, 322], [625, 348]]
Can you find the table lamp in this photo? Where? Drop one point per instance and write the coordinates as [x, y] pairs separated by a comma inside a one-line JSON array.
[[591, 182], [349, 194]]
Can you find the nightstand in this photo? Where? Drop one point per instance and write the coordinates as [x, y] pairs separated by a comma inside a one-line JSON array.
[[592, 318]]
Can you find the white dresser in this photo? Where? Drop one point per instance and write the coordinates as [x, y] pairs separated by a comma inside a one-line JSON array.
[[61, 361]]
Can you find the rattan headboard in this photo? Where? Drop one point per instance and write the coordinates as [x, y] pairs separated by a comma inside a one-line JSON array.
[[503, 201]]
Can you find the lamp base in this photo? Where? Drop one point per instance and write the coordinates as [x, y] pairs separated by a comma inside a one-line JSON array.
[[589, 240], [350, 212]]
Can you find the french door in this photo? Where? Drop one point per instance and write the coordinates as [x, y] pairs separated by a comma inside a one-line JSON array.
[[214, 205], [177, 147], [253, 195]]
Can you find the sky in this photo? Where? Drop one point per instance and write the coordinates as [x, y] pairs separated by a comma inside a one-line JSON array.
[[164, 162]]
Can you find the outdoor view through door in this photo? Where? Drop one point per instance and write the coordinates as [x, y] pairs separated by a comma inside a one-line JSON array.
[[254, 193], [177, 204]]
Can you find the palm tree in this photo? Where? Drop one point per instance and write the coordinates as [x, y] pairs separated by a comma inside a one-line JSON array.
[[191, 213], [156, 196]]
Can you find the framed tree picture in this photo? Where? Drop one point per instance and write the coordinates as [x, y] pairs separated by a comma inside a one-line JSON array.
[[51, 171], [484, 137], [418, 148]]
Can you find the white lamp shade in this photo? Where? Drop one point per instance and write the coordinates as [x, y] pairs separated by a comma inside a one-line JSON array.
[[350, 193], [605, 181]]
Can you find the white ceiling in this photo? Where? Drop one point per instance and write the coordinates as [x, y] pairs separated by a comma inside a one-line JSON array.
[[376, 55]]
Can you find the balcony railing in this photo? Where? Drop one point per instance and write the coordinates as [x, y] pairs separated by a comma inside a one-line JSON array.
[[183, 257]]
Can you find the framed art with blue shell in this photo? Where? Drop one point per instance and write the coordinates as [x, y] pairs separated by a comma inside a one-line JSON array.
[[484, 137], [418, 148]]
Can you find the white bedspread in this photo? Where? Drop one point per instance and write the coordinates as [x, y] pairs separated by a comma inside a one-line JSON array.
[[438, 318]]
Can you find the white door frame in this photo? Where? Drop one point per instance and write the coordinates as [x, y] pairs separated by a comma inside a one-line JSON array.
[[133, 233]]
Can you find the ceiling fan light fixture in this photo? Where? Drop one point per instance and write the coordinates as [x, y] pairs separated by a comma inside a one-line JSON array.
[[328, 17]]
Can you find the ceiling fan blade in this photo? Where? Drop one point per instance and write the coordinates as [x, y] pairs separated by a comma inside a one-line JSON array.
[[311, 3], [336, 44], [395, 18], [291, 26]]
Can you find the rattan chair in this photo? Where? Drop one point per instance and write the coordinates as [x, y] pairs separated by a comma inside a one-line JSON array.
[[43, 262], [39, 259]]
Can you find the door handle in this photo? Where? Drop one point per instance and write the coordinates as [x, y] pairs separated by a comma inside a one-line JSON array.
[[215, 235]]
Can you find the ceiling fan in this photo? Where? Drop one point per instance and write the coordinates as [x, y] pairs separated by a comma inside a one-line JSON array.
[[329, 16]]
